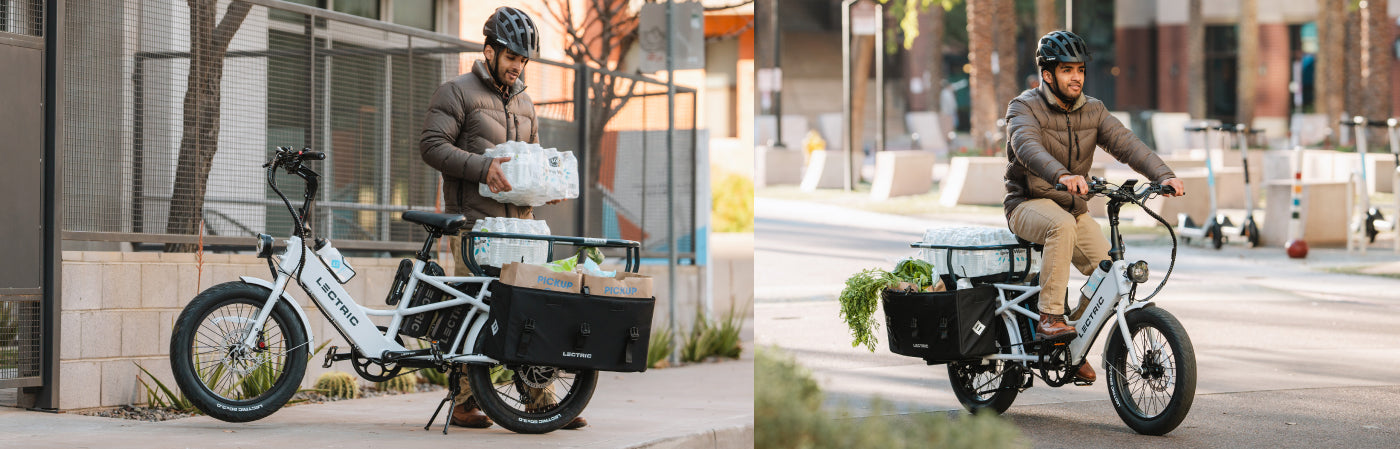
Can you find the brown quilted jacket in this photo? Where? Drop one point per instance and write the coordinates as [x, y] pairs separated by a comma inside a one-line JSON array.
[[1041, 150], [467, 115]]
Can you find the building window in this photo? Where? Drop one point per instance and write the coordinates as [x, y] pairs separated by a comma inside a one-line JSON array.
[[1222, 53], [363, 8], [416, 13]]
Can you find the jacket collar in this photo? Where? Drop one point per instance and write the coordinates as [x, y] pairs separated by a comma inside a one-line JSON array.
[[480, 70], [1054, 102]]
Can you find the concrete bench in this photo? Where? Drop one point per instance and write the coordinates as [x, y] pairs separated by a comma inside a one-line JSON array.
[[824, 171], [974, 180], [1324, 213], [899, 173], [777, 166]]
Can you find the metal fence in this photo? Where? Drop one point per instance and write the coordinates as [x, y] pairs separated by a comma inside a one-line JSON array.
[[160, 136], [20, 359]]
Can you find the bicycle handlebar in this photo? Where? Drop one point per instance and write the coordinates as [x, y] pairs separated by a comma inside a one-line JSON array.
[[1124, 192]]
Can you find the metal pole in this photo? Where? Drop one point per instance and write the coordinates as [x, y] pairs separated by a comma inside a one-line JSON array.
[[670, 165], [777, 74], [1069, 15], [846, 90], [385, 142], [581, 78], [880, 76]]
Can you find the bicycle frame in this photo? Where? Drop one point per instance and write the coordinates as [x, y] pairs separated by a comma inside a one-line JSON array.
[[1119, 294], [352, 320]]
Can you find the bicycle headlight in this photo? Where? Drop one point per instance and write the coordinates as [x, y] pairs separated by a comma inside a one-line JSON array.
[[264, 247], [1137, 271]]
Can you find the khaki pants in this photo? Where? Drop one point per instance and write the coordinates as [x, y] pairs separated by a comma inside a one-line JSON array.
[[539, 397], [1067, 239]]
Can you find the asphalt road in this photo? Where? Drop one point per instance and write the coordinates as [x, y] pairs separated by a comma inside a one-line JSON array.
[[1288, 354]]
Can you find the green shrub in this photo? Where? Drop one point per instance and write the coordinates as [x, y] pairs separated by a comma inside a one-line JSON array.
[[404, 383], [788, 414], [433, 376], [732, 204], [709, 338], [663, 341], [162, 396], [338, 384]]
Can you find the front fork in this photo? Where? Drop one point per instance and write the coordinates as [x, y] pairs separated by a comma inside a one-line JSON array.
[[255, 332]]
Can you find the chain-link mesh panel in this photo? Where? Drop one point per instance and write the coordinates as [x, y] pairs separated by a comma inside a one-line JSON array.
[[22, 17], [19, 337], [161, 134]]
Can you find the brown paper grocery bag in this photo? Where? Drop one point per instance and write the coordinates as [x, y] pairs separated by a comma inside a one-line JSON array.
[[625, 285], [541, 277]]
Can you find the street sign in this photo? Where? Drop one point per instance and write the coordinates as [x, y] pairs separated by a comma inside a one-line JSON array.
[[689, 20]]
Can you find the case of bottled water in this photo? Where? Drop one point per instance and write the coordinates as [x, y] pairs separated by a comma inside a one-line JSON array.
[[536, 175], [497, 252], [976, 262]]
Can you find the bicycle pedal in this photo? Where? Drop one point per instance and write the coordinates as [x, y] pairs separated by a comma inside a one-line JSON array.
[[1082, 383], [330, 357]]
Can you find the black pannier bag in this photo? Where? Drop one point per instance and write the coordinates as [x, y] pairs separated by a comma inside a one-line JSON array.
[[568, 330], [942, 326]]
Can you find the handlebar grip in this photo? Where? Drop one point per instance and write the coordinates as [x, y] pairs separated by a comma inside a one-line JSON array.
[[313, 155], [1166, 190], [1061, 187]]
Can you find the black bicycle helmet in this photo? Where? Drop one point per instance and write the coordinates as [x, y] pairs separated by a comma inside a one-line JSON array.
[[1060, 46], [512, 28]]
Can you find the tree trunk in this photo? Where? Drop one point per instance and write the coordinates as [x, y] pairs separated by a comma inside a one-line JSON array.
[[1196, 62], [982, 85], [864, 50], [1047, 17], [1329, 67], [1248, 63], [1353, 89], [200, 134], [927, 60], [1008, 75], [1375, 66]]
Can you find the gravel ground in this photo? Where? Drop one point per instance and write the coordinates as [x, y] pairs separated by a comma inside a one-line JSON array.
[[143, 413]]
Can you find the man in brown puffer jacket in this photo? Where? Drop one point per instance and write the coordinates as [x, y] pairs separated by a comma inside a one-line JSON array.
[[467, 115], [1053, 130]]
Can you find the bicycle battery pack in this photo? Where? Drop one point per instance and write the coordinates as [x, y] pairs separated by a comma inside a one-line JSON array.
[[941, 326], [568, 330], [417, 325]]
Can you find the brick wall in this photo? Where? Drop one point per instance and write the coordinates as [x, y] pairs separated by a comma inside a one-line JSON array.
[[1271, 87], [1137, 68], [1171, 69], [118, 310]]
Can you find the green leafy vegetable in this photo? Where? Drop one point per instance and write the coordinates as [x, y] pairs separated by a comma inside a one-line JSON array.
[[861, 297]]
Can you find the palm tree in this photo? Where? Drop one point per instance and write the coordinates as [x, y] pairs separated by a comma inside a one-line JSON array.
[[982, 85], [1008, 79], [1249, 61], [1375, 62], [1330, 65], [1047, 17]]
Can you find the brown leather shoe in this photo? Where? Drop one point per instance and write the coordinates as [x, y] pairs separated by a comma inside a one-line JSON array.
[[1053, 327], [467, 414], [577, 423], [1085, 373]]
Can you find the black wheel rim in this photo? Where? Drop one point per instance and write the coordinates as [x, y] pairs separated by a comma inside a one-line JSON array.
[[227, 369], [1151, 386], [980, 381], [534, 390]]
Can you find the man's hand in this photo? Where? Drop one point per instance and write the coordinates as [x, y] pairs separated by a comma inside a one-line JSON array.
[[1176, 184], [495, 177], [1075, 184]]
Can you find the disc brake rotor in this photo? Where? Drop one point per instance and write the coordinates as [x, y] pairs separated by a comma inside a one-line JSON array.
[[537, 376]]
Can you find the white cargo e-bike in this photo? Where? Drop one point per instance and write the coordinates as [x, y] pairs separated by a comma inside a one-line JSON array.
[[239, 349], [1149, 361]]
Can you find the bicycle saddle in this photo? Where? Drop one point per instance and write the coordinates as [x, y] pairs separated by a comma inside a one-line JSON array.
[[441, 223]]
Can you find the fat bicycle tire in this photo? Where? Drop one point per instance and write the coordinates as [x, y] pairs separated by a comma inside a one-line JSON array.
[[1156, 397], [219, 379], [987, 384], [506, 401]]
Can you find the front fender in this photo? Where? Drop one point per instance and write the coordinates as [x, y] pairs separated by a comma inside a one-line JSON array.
[[305, 323]]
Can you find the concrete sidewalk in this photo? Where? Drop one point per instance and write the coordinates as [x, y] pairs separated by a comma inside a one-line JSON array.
[[697, 406]]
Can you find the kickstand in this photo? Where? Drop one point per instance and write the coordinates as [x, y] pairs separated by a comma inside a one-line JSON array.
[[453, 387]]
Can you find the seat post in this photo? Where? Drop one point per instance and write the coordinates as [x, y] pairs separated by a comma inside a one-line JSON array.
[[424, 254]]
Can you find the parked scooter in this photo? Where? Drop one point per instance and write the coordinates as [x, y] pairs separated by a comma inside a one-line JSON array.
[[1210, 230], [1247, 230], [1370, 220]]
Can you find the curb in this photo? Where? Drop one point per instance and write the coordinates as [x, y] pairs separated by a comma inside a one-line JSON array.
[[732, 437]]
